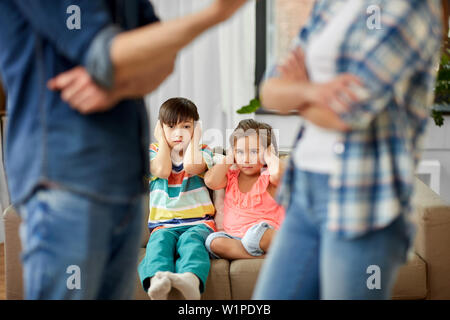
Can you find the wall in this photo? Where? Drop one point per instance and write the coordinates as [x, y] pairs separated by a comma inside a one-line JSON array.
[[437, 147], [286, 126], [288, 17]]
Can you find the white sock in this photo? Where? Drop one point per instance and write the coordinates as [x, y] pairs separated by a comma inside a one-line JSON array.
[[160, 286], [187, 283]]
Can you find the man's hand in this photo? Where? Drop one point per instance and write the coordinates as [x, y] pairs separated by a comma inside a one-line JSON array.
[[80, 91], [224, 9]]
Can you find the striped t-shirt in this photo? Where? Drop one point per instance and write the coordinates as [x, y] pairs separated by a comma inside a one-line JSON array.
[[181, 199]]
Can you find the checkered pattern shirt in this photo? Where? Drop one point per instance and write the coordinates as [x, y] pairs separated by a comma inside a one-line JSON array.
[[376, 159]]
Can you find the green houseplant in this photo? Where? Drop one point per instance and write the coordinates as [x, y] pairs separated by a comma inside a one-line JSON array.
[[442, 88], [253, 105]]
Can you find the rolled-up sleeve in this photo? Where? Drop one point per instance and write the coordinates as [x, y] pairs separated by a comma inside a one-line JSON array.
[[98, 60]]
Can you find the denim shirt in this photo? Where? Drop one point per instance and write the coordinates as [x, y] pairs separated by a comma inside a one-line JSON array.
[[102, 155]]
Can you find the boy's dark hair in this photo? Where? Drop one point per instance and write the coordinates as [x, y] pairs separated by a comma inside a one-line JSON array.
[[176, 110], [249, 127]]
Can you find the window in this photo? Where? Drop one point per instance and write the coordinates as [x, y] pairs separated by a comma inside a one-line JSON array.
[[277, 23]]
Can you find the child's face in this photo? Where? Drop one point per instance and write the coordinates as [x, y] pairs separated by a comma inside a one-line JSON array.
[[178, 136], [248, 155]]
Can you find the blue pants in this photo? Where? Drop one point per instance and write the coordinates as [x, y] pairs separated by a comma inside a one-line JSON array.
[[177, 249], [78, 248], [307, 261]]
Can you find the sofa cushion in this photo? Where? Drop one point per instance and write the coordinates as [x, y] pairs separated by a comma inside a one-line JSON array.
[[243, 276], [218, 285]]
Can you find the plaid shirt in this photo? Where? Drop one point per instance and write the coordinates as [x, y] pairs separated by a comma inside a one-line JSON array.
[[376, 159]]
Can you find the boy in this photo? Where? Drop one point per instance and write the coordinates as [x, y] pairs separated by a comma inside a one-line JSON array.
[[181, 211]]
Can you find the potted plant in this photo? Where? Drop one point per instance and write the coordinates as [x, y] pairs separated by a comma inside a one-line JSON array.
[[442, 89], [253, 105]]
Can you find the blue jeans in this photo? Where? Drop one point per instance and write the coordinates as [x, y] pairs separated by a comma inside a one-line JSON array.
[[307, 261], [74, 247]]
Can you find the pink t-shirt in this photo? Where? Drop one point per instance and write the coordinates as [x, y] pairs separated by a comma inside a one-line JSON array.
[[243, 210]]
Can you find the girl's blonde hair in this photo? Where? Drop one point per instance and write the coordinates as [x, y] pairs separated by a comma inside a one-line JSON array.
[[250, 127]]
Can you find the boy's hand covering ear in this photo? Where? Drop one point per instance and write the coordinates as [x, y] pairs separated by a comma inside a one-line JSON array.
[[159, 133], [197, 135]]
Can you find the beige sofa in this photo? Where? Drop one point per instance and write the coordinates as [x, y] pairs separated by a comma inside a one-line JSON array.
[[426, 276]]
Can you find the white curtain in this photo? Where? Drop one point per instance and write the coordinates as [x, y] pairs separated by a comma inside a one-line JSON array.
[[216, 71]]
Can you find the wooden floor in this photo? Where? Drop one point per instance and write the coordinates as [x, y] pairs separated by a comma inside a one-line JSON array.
[[2, 272]]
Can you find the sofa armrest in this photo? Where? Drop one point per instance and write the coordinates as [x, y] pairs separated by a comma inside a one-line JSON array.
[[432, 239], [13, 249]]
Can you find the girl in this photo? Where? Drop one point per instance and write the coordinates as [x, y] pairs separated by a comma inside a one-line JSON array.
[[251, 214]]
